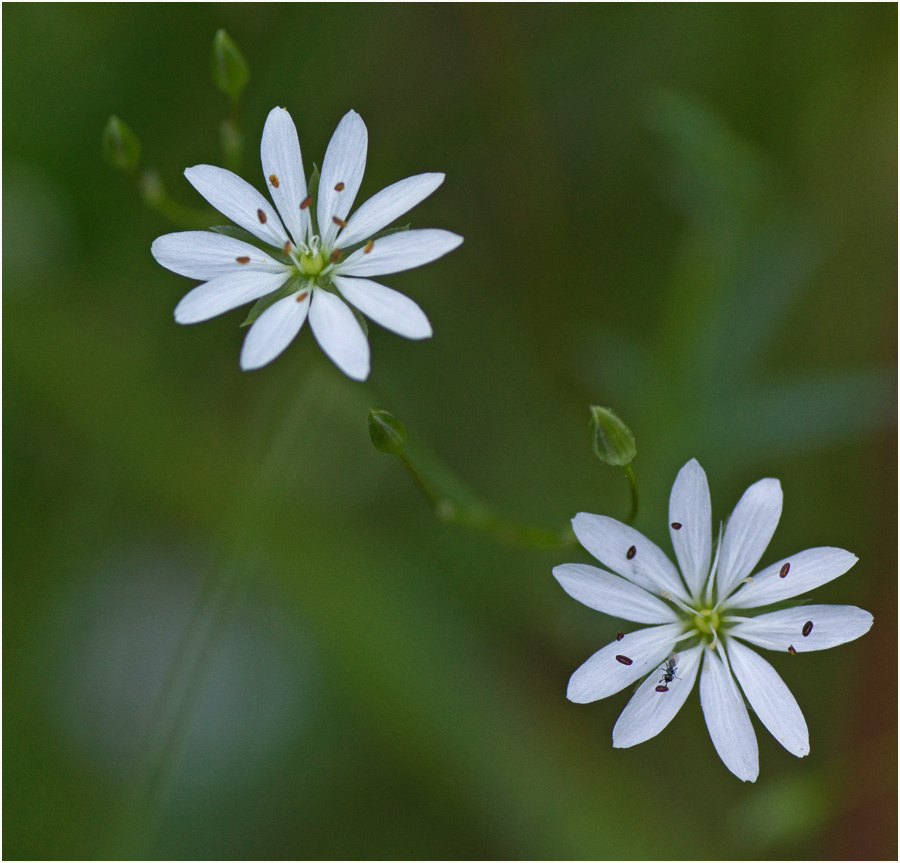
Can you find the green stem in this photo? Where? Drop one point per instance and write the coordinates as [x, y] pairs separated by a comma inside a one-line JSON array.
[[475, 516], [632, 484], [156, 198]]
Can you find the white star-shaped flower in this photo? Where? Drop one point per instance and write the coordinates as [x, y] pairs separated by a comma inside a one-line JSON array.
[[699, 617], [319, 266]]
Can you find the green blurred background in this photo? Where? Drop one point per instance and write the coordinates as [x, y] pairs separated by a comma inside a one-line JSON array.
[[233, 629]]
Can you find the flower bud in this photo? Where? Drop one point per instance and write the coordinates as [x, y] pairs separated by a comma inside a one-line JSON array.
[[612, 440], [386, 431], [121, 147], [230, 72]]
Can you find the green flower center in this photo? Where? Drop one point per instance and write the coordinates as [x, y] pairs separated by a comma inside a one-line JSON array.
[[312, 265], [707, 621]]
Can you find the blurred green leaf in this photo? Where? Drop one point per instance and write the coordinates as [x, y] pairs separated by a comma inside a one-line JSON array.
[[229, 69], [121, 147]]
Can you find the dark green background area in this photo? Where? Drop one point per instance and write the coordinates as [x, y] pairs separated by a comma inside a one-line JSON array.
[[232, 629]]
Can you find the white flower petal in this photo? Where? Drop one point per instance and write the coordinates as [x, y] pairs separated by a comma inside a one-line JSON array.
[[339, 334], [401, 251], [612, 595], [603, 674], [611, 542], [206, 254], [282, 167], [831, 625], [274, 330], [385, 206], [805, 571], [342, 172], [727, 719], [650, 711], [224, 293], [391, 309], [689, 507], [748, 532], [239, 201], [770, 698]]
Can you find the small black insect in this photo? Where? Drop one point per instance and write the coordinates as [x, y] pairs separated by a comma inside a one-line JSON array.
[[623, 659], [668, 674], [782, 573], [807, 628], [620, 636], [676, 525], [631, 552], [792, 650]]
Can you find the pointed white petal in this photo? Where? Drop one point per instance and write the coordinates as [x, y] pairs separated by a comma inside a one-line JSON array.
[[650, 711], [770, 698], [748, 532], [401, 251], [342, 172], [239, 201], [339, 334], [274, 330], [282, 167], [385, 206], [603, 674], [612, 595], [611, 542], [224, 293], [727, 719], [690, 508], [391, 309], [206, 254], [805, 571], [831, 625]]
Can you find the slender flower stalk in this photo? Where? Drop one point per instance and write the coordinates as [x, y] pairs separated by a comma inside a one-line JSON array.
[[700, 622], [318, 257]]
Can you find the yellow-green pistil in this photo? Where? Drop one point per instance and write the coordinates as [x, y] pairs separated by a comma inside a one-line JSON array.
[[707, 621], [312, 265]]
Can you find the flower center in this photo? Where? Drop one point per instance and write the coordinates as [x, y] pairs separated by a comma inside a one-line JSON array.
[[708, 622], [312, 264]]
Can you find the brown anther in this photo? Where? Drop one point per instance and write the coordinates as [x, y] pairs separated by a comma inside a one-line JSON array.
[[273, 179], [306, 202], [368, 247], [620, 636], [792, 650], [338, 221], [287, 248], [807, 628], [243, 259], [662, 688], [784, 571], [302, 296], [334, 256], [624, 659], [631, 552], [676, 525], [339, 187], [261, 216]]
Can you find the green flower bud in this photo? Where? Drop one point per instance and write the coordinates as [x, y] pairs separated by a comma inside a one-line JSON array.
[[121, 147], [612, 440], [386, 431], [230, 72]]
